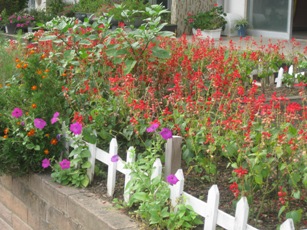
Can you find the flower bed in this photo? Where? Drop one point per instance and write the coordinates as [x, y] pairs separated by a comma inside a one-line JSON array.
[[120, 83]]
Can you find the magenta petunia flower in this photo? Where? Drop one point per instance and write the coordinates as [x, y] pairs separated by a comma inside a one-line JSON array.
[[39, 123], [172, 179], [114, 158], [166, 133], [152, 128], [55, 118], [56, 114], [65, 164], [76, 128], [45, 163], [17, 112]]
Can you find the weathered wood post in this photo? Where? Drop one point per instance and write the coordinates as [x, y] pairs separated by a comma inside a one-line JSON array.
[[173, 154]]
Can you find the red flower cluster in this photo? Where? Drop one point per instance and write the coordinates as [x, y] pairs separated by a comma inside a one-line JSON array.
[[282, 195], [234, 188], [240, 172]]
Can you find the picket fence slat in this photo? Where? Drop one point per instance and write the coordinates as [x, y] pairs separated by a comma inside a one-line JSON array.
[[241, 215], [112, 168], [287, 225], [157, 169], [213, 206], [90, 172], [212, 215], [130, 159]]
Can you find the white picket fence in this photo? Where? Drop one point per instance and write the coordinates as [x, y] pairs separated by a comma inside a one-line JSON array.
[[209, 210]]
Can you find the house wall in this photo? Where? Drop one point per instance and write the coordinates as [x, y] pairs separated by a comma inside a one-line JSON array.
[[36, 203]]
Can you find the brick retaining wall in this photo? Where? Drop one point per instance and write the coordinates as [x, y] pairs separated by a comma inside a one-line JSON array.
[[35, 202]]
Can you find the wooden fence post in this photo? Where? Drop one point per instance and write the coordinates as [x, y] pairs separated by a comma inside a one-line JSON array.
[[112, 168], [241, 216], [173, 154], [130, 159], [213, 206]]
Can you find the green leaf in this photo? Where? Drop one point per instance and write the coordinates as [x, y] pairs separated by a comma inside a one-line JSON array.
[[85, 153], [295, 215], [85, 42], [258, 179], [297, 194], [30, 146], [140, 196], [160, 53], [129, 64], [85, 182], [281, 210], [89, 135], [48, 38], [37, 148], [86, 165]]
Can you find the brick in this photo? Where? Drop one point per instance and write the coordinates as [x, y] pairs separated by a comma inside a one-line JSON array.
[[33, 220], [6, 197], [19, 224], [13, 203], [6, 181], [4, 225], [93, 213], [5, 214]]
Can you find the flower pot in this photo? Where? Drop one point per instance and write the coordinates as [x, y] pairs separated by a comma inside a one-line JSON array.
[[11, 28], [212, 34], [242, 31], [170, 27]]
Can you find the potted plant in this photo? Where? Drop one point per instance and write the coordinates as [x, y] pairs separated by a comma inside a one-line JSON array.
[[19, 20], [241, 26], [209, 23]]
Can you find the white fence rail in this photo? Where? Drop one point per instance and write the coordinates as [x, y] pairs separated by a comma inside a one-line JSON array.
[[209, 210]]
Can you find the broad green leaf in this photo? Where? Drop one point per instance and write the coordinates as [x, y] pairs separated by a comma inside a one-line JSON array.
[[89, 135], [48, 38], [295, 215], [85, 153], [86, 165], [129, 64], [85, 42], [37, 148], [30, 146], [85, 181], [297, 194], [160, 53], [258, 179]]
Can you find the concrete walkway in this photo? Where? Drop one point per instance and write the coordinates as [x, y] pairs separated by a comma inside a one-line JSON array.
[[257, 43]]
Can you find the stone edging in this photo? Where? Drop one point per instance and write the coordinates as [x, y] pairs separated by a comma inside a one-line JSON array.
[[35, 202]]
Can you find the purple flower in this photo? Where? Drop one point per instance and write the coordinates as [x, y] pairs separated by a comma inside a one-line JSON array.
[[56, 114], [45, 163], [76, 128], [22, 123], [54, 119], [65, 164], [172, 179], [17, 112], [58, 137], [166, 133], [152, 128], [39, 123], [114, 158]]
